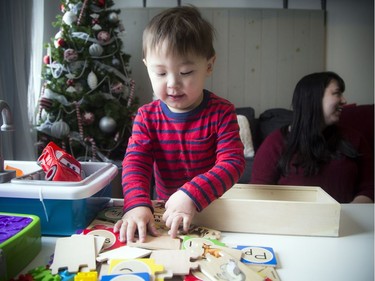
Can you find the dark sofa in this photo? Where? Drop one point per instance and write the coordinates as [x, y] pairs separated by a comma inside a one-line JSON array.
[[359, 117], [260, 128]]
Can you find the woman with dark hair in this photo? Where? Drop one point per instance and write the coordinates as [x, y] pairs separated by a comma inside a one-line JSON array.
[[314, 150]]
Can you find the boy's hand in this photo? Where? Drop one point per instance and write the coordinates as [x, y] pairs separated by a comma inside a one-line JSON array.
[[178, 209], [139, 218]]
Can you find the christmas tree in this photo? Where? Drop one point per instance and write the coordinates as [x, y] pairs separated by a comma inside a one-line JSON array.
[[87, 99]]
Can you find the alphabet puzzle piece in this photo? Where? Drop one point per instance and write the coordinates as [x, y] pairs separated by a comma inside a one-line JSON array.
[[124, 252], [225, 267], [258, 255], [163, 242], [111, 241], [127, 277], [179, 262], [74, 252], [204, 245], [122, 266]]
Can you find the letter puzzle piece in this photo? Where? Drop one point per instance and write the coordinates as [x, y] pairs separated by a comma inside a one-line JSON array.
[[204, 245], [258, 255], [74, 252], [142, 276], [179, 262], [122, 266], [86, 276], [124, 252], [163, 242], [112, 240], [225, 267]]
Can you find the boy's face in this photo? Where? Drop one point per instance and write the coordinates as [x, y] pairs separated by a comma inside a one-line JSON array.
[[178, 81]]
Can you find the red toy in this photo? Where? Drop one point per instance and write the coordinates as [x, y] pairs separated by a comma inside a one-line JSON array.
[[59, 165]]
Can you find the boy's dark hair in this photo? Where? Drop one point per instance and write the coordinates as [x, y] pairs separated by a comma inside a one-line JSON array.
[[183, 29]]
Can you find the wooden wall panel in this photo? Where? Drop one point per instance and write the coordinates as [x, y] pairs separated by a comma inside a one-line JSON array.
[[261, 53]]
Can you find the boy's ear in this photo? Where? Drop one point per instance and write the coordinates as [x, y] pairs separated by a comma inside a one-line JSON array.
[[210, 64]]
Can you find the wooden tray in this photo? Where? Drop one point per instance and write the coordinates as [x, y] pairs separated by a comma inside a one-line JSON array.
[[273, 209]]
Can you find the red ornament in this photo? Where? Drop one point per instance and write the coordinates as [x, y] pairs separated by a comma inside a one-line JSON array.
[[70, 82], [88, 118], [46, 59], [101, 3], [103, 36], [60, 42]]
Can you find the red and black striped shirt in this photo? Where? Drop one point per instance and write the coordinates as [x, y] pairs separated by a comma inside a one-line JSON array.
[[199, 152]]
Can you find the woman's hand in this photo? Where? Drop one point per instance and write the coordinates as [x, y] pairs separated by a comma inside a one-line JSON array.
[[362, 199]]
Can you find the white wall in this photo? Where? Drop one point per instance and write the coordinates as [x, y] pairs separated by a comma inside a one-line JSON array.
[[350, 36], [260, 53], [350, 46]]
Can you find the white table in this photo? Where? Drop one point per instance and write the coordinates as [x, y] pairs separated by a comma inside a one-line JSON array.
[[349, 257]]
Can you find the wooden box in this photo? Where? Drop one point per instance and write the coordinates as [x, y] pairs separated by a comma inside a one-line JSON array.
[[271, 209]]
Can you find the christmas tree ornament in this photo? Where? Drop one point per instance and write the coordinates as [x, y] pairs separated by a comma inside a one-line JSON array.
[[117, 88], [116, 61], [87, 73], [95, 50], [93, 146], [83, 9], [46, 59], [70, 82], [70, 55], [107, 124], [113, 17], [69, 18], [88, 118], [100, 3], [103, 37], [71, 89], [95, 22], [96, 27], [45, 103], [60, 42], [92, 80], [79, 119], [60, 129], [58, 36]]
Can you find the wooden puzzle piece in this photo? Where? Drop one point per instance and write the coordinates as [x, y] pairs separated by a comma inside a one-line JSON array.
[[124, 252], [86, 276], [179, 262], [140, 276], [111, 241], [163, 242], [267, 272], [203, 246], [74, 252], [203, 232], [225, 267], [122, 266], [99, 243], [258, 255]]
